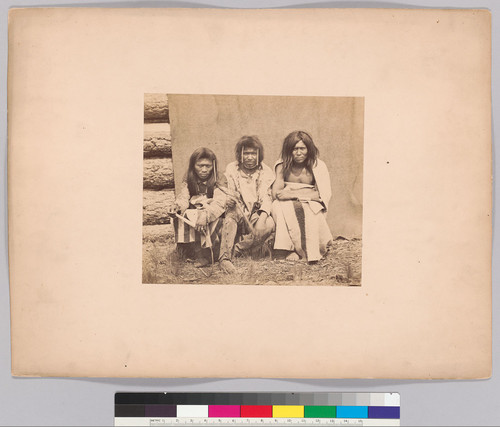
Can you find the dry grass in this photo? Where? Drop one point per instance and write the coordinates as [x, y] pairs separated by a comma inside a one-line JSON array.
[[150, 265], [162, 264]]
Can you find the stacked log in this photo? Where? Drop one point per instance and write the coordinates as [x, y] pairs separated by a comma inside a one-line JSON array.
[[155, 204], [156, 108], [157, 144], [158, 174], [158, 177]]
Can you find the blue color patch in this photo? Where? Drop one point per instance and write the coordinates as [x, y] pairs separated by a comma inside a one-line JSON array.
[[387, 412], [352, 411]]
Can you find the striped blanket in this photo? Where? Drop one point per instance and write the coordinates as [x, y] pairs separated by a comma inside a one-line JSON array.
[[301, 227], [184, 233]]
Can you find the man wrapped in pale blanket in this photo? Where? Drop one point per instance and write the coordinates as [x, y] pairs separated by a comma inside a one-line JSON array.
[[301, 195]]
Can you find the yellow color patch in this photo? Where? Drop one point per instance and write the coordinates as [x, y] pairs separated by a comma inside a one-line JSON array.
[[288, 411]]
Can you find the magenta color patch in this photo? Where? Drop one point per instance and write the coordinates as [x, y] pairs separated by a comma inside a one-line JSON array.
[[226, 411]]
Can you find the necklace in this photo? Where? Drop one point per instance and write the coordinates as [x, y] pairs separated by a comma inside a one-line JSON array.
[[248, 175]]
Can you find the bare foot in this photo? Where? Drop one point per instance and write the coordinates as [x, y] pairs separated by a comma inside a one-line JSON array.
[[227, 266], [294, 256]]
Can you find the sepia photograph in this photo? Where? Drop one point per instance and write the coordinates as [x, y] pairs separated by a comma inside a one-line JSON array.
[[252, 190], [179, 179]]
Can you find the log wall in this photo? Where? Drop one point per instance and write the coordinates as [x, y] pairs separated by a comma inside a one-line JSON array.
[[158, 175]]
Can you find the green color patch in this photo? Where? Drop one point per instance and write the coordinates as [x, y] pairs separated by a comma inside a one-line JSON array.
[[320, 411]]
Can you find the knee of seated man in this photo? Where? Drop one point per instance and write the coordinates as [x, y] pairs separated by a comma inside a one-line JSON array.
[[270, 224], [231, 215]]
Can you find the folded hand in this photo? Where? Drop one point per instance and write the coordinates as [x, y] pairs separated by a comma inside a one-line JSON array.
[[286, 194], [230, 202], [201, 222]]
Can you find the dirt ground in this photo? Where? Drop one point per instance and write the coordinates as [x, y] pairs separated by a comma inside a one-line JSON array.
[[161, 264]]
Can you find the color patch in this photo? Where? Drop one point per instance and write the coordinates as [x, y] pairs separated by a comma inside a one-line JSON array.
[[224, 411], [125, 410], [194, 411], [388, 412], [288, 411], [320, 411], [392, 399], [352, 411], [166, 411], [362, 399], [256, 411], [377, 399]]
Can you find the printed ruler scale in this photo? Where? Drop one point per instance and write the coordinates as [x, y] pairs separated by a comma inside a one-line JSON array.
[[264, 409]]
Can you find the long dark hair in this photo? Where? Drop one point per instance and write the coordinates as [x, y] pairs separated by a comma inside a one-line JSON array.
[[192, 178], [249, 142], [289, 145]]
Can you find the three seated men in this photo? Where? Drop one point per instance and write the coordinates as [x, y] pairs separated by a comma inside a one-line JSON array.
[[227, 215]]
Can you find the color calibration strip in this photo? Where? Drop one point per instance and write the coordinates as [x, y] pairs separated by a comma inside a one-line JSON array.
[[362, 409]]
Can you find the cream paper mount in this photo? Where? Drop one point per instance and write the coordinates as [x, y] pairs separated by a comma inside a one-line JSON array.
[[77, 79]]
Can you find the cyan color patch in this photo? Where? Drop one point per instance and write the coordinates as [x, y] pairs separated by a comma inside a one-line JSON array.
[[352, 411]]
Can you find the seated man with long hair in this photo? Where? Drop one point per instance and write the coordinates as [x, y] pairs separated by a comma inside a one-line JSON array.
[[198, 208], [247, 223], [301, 195]]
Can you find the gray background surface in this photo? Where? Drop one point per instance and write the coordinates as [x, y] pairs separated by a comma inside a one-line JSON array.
[[334, 123], [57, 401]]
